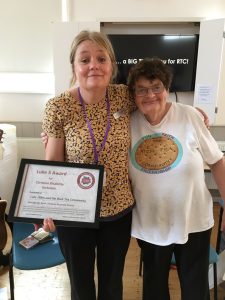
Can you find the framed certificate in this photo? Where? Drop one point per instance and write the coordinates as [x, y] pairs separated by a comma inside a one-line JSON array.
[[69, 193]]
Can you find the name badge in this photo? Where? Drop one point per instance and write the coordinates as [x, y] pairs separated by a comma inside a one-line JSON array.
[[104, 179], [119, 113]]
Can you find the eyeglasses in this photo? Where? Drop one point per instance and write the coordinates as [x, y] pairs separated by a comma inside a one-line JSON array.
[[143, 91]]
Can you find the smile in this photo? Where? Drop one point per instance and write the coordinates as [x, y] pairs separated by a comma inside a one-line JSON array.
[[150, 102], [95, 75]]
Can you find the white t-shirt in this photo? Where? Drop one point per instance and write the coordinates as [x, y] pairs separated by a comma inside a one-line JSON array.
[[167, 175]]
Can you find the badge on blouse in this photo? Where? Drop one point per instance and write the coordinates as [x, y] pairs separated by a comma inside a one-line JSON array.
[[119, 113], [104, 179]]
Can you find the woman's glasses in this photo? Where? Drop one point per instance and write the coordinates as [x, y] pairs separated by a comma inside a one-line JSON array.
[[143, 91]]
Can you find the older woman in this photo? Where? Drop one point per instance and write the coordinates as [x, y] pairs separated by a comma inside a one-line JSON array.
[[90, 124], [173, 212]]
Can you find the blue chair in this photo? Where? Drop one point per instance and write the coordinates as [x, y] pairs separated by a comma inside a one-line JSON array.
[[213, 254], [40, 257]]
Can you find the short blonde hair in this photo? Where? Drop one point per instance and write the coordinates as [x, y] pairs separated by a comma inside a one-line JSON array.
[[100, 39]]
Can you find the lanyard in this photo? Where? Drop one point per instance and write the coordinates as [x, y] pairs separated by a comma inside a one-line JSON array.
[[96, 152]]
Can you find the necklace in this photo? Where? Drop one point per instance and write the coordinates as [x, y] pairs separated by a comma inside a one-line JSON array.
[[95, 150]]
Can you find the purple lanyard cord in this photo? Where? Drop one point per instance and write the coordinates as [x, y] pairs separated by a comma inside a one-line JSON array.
[[96, 152]]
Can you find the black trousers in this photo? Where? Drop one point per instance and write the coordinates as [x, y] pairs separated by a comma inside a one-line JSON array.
[[109, 244], [192, 261]]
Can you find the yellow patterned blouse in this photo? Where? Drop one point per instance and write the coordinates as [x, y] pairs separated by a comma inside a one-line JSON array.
[[64, 117]]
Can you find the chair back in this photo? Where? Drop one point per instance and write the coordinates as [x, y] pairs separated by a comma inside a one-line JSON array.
[[40, 257]]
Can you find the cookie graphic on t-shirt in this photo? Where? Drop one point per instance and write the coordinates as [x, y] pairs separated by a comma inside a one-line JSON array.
[[156, 153]]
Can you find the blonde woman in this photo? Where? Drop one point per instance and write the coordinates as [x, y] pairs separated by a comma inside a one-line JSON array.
[[90, 124]]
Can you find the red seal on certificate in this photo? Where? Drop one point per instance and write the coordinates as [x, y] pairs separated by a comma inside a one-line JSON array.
[[86, 180]]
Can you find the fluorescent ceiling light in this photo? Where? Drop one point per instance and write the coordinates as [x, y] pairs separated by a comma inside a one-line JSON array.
[[176, 37]]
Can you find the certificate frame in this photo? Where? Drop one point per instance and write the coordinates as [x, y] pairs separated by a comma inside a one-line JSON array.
[[77, 190]]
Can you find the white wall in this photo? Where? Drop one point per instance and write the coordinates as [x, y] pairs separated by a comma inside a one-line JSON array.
[[22, 107], [220, 118], [25, 31], [145, 9], [26, 36], [26, 46], [209, 64]]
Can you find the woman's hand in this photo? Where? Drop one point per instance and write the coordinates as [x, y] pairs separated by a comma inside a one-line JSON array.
[[48, 225], [206, 119], [44, 138]]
